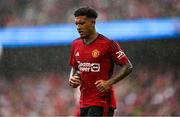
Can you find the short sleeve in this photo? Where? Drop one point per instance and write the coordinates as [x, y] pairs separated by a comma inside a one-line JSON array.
[[72, 61], [117, 54]]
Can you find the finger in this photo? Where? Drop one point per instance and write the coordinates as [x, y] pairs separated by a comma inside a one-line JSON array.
[[77, 77], [98, 86], [97, 82], [74, 83], [70, 84], [75, 80], [101, 89]]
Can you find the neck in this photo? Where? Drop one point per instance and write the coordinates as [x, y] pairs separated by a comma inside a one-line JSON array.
[[91, 38]]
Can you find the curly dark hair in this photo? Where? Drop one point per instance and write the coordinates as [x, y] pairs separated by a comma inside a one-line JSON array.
[[86, 11]]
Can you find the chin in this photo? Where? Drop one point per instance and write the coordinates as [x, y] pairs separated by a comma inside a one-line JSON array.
[[83, 36]]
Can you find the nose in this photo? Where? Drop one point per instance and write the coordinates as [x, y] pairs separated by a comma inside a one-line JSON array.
[[78, 27]]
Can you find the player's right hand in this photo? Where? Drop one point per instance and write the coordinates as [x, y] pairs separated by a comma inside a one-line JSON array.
[[74, 81]]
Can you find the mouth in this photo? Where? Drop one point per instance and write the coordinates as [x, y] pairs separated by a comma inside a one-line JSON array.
[[81, 32]]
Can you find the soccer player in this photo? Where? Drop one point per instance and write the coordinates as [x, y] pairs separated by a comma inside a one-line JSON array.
[[92, 59]]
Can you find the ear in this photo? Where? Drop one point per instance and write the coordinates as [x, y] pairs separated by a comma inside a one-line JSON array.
[[93, 22]]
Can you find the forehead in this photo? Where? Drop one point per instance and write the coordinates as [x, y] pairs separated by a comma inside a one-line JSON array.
[[81, 18]]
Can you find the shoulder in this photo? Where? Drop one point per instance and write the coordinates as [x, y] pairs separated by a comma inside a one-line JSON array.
[[104, 39], [76, 41], [108, 42]]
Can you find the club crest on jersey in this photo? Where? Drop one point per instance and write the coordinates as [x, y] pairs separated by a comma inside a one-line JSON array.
[[95, 53]]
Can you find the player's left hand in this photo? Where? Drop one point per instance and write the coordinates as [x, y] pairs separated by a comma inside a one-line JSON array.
[[102, 85]]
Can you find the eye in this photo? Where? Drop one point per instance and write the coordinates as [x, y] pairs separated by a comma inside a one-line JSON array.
[[81, 23]]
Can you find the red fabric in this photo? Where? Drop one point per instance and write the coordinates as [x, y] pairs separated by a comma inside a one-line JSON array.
[[95, 62], [77, 112]]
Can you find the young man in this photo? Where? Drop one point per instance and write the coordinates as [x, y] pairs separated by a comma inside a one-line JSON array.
[[92, 59]]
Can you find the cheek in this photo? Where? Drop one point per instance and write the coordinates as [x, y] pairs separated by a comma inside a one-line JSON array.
[[88, 28]]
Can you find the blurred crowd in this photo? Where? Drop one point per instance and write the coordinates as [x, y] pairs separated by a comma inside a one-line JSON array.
[[39, 12], [45, 95], [144, 93], [149, 92]]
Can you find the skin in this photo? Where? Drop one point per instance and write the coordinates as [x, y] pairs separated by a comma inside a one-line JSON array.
[[86, 29]]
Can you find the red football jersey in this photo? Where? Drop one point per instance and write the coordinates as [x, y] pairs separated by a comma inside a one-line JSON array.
[[95, 62]]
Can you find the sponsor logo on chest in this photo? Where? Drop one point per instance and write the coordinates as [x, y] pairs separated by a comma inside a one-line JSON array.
[[88, 66]]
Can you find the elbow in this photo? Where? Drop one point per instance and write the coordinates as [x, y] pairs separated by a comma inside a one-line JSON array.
[[129, 67]]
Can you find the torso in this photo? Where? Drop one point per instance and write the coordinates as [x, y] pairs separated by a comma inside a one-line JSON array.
[[94, 63]]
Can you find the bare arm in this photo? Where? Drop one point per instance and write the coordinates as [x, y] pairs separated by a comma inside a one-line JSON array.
[[74, 72], [124, 71], [74, 79]]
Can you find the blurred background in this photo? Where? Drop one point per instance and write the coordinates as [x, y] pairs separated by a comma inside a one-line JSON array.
[[35, 37]]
